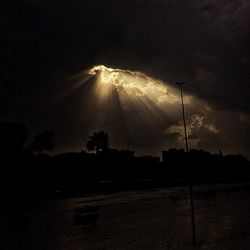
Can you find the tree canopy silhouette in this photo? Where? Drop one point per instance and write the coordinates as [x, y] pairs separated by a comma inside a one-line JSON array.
[[43, 141], [12, 137], [99, 141]]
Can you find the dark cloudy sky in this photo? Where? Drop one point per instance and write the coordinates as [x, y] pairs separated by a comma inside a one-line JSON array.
[[45, 44]]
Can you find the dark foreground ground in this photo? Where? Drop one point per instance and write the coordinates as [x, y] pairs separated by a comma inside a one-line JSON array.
[[153, 219]]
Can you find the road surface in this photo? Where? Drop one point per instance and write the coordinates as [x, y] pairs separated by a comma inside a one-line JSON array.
[[152, 219]]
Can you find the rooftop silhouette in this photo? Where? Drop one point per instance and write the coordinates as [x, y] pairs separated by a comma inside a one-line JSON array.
[[27, 169]]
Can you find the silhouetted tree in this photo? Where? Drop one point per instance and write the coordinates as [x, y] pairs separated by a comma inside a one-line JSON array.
[[99, 141], [12, 137], [43, 141]]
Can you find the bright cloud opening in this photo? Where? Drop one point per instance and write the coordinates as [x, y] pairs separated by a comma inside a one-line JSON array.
[[133, 85]]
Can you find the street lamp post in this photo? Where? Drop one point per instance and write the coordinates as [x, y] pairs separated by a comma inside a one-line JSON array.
[[180, 84]]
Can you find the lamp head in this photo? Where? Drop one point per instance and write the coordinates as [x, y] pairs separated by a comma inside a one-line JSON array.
[[180, 83]]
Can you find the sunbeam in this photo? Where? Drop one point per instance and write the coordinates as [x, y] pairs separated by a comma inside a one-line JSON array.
[[144, 100]]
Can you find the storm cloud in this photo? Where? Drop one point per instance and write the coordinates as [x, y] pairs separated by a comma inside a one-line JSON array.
[[45, 44]]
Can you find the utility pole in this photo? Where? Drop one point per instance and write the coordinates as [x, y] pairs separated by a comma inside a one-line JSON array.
[[180, 84]]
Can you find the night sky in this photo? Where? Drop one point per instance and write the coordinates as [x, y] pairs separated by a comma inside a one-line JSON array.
[[48, 49]]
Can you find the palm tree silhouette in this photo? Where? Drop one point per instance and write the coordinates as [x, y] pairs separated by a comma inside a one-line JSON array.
[[43, 141], [99, 141]]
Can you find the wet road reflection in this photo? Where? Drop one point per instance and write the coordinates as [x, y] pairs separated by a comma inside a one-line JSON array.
[[155, 219]]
